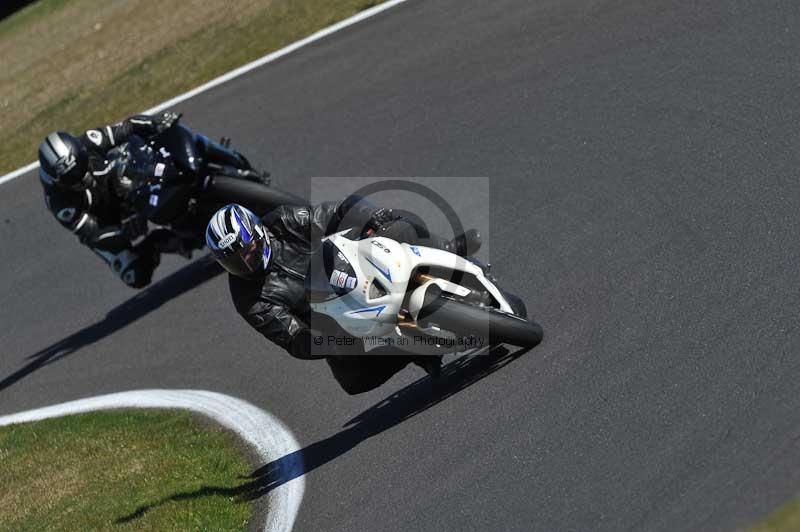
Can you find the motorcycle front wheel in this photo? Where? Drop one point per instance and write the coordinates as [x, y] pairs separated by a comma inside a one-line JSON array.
[[463, 318]]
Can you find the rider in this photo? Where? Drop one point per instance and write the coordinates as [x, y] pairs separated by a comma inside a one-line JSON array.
[[75, 173], [268, 260]]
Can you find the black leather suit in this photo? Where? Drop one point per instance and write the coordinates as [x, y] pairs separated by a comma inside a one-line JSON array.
[[96, 215]]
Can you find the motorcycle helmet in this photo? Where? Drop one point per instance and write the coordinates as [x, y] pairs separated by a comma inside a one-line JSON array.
[[64, 161], [239, 241]]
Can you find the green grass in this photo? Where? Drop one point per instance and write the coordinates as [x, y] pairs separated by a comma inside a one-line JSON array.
[[121, 470], [67, 67], [785, 519], [36, 11]]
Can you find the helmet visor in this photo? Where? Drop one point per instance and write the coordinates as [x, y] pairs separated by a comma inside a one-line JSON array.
[[248, 260]]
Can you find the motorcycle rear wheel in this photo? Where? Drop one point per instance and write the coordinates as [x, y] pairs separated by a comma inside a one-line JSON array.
[[257, 197]]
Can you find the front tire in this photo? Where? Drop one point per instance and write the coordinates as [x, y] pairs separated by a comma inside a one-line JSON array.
[[465, 319]]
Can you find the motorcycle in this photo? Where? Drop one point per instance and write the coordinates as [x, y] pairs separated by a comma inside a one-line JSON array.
[[167, 181], [414, 298]]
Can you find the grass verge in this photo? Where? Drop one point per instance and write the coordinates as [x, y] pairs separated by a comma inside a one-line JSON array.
[[76, 64], [121, 470]]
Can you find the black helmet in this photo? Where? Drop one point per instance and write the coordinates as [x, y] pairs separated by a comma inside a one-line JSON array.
[[239, 241], [64, 161]]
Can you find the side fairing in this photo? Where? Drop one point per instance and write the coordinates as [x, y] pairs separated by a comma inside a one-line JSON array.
[[383, 269]]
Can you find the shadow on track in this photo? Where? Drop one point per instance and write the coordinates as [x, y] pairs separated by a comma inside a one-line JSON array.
[[398, 407], [144, 302]]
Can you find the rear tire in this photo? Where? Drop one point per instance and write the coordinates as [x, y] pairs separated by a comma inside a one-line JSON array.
[[465, 319]]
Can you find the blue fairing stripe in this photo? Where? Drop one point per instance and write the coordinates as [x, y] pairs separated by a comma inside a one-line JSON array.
[[386, 273], [371, 309]]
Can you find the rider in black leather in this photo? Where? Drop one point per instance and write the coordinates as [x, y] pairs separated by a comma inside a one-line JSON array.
[[271, 294], [75, 174]]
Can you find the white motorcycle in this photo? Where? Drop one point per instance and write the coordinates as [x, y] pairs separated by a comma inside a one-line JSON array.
[[414, 298]]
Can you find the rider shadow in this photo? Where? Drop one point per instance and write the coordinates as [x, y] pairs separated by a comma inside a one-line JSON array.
[[177, 283], [398, 407]]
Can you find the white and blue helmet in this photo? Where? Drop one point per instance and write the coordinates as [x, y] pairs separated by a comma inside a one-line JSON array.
[[239, 241]]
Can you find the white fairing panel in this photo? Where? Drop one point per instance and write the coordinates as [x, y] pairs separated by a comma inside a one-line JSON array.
[[391, 264]]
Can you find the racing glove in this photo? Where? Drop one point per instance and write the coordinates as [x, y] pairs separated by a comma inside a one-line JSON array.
[[380, 220], [166, 120]]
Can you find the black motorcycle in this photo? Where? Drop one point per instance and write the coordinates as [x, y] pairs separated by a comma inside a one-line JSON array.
[[169, 182]]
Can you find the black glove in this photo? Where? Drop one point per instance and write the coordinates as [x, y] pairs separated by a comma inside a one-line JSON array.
[[166, 120], [134, 226], [381, 219]]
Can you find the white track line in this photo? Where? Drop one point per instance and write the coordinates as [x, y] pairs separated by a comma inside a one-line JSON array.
[[367, 13], [19, 171], [270, 438]]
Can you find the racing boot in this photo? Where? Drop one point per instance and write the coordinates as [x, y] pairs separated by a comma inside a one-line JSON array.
[[230, 162], [465, 244], [220, 153]]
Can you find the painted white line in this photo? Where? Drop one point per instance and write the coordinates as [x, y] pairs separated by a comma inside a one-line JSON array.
[[367, 13], [19, 171], [268, 436]]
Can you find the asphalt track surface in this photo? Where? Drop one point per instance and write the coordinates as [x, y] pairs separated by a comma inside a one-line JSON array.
[[642, 159]]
